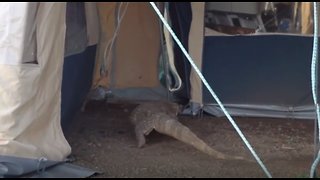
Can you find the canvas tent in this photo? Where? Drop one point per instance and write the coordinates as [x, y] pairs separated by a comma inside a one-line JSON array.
[[53, 54], [260, 75]]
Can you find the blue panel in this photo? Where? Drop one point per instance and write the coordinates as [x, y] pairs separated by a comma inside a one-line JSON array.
[[262, 69], [76, 83]]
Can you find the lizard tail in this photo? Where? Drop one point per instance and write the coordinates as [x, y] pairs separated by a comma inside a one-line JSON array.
[[182, 133]]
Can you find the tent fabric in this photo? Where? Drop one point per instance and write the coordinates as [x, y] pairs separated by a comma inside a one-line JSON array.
[[31, 128], [92, 22], [306, 17], [30, 94], [136, 42], [106, 12], [259, 75], [30, 52], [265, 75], [76, 34], [76, 84], [272, 111], [13, 38], [180, 16], [82, 27], [244, 71], [11, 166], [174, 82], [78, 66], [139, 30], [26, 168], [196, 37], [65, 170]]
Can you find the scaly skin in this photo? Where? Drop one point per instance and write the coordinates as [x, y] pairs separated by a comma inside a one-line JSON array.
[[161, 116]]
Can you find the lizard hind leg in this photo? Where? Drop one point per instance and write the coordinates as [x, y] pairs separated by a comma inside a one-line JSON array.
[[141, 131], [140, 137], [141, 141]]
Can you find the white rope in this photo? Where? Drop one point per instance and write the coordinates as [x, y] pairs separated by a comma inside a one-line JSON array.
[[170, 45], [210, 89], [314, 82], [110, 43]]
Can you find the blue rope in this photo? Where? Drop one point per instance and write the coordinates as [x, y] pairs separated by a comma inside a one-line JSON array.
[[210, 89]]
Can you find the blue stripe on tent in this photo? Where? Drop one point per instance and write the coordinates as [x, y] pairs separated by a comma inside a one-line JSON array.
[[76, 83]]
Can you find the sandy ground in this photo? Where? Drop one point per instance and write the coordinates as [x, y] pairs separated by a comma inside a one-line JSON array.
[[103, 139]]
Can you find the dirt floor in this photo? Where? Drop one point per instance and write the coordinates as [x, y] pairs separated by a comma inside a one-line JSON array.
[[103, 139]]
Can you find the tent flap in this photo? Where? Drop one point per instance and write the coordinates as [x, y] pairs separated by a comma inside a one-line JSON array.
[[30, 94]]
